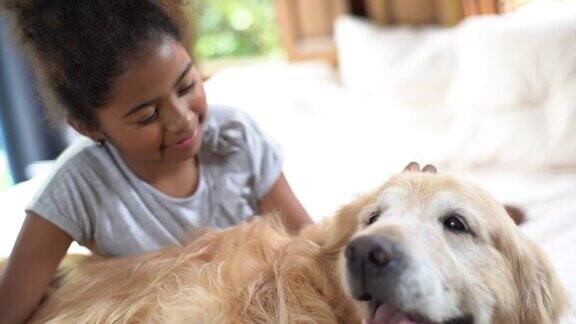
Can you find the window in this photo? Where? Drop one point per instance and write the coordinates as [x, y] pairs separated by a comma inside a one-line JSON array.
[[234, 32], [5, 178], [233, 28]]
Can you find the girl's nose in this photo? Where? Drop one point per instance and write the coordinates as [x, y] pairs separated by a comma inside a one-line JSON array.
[[178, 116]]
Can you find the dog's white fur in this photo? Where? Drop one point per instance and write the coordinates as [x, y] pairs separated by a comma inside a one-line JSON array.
[[258, 273], [496, 274]]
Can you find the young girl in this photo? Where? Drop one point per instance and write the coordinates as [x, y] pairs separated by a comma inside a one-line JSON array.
[[156, 164]]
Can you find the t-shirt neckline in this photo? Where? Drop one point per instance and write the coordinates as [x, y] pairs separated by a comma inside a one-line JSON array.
[[201, 178]]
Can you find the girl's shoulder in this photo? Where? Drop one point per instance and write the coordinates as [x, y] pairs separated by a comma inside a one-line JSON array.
[[81, 155], [234, 146], [222, 116], [228, 130], [82, 162]]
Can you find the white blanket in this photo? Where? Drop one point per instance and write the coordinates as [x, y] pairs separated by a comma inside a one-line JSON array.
[[339, 144]]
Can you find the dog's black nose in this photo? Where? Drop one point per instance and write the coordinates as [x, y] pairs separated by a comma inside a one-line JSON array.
[[369, 251], [373, 263]]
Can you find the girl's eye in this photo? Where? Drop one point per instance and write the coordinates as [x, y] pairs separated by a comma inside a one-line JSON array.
[[373, 217], [184, 91], [149, 119], [454, 224]]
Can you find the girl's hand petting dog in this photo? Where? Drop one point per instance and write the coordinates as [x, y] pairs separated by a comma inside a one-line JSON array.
[[516, 213]]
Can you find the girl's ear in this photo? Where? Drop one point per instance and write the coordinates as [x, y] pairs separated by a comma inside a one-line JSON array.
[[85, 129]]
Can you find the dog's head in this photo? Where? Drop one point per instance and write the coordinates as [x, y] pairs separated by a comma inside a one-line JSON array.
[[426, 248]]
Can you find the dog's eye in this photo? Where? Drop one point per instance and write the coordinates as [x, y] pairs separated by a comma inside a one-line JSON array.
[[453, 223], [373, 217]]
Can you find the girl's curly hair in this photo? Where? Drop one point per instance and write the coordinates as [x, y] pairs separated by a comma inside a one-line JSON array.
[[80, 47]]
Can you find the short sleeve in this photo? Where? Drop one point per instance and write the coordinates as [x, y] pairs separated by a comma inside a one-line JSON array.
[[61, 202], [266, 156]]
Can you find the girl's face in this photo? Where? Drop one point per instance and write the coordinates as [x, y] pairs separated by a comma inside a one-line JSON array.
[[157, 109]]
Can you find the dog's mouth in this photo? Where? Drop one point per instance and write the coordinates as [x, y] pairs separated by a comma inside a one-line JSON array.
[[383, 313]]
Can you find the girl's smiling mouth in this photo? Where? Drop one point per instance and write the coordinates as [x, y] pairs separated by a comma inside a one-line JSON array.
[[185, 142]]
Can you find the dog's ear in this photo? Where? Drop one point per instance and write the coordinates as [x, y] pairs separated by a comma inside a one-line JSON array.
[[542, 297], [516, 213], [335, 232]]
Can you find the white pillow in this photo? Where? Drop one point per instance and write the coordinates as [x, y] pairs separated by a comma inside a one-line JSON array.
[[515, 92], [415, 65]]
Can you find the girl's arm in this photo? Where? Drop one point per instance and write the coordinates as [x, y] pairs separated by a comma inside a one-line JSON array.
[[281, 198], [39, 249]]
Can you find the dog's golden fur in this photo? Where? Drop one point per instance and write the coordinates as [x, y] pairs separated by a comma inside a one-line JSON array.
[[259, 273], [252, 273]]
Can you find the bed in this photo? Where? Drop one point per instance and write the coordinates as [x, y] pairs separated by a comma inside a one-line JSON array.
[[491, 99], [452, 96]]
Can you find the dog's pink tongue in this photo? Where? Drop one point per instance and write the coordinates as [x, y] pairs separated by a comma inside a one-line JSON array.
[[388, 315]]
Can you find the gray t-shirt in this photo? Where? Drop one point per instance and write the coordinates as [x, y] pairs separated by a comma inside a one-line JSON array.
[[94, 196]]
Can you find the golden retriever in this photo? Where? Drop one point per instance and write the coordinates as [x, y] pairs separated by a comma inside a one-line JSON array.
[[423, 248]]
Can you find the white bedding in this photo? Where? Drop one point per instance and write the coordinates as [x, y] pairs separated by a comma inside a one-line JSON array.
[[339, 144]]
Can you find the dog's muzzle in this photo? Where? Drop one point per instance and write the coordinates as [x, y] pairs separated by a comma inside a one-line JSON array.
[[375, 265], [372, 262]]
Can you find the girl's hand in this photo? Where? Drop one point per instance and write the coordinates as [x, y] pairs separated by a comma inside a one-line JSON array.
[[516, 213], [415, 167]]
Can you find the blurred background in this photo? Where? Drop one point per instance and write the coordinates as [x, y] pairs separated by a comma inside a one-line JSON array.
[[227, 33]]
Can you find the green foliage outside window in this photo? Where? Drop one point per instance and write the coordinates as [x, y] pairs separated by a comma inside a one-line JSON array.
[[235, 28]]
